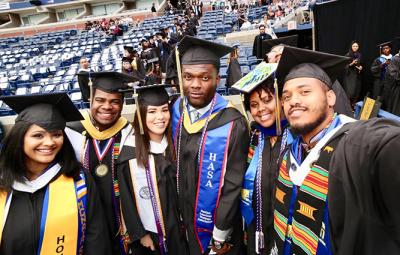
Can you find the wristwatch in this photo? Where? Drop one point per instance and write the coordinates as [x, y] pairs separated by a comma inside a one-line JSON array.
[[218, 245]]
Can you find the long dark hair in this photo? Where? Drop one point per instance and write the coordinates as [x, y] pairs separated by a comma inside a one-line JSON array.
[[12, 158], [142, 142]]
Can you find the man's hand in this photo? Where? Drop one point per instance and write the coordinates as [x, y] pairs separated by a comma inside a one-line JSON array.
[[147, 242]]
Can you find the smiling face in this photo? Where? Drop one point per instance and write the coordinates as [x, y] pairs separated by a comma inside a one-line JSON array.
[[106, 108], [41, 148], [262, 108], [308, 104], [199, 83], [157, 121]]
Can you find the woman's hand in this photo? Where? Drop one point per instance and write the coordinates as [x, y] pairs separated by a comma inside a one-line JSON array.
[[147, 242]]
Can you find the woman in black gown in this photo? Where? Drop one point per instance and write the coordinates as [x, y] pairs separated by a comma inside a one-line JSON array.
[[352, 78], [47, 203]]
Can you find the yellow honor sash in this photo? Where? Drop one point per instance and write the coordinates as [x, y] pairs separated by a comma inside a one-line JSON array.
[[61, 220]]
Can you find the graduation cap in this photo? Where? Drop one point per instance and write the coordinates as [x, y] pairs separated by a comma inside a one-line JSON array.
[[389, 43], [197, 51], [130, 49], [152, 94], [267, 45], [296, 63], [49, 111], [111, 82], [248, 83], [385, 44], [125, 59]]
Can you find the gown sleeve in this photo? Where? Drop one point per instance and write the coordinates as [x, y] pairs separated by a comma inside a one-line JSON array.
[[97, 241], [235, 169]]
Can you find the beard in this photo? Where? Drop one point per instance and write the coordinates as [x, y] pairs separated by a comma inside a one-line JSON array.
[[306, 128]]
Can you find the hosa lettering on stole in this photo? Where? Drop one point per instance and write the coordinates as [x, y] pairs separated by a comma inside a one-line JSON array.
[[210, 169], [60, 244]]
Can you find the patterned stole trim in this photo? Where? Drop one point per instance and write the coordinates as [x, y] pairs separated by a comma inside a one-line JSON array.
[[303, 229]]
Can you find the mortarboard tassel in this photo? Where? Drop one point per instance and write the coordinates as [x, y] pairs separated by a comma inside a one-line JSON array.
[[179, 70], [278, 109], [135, 95]]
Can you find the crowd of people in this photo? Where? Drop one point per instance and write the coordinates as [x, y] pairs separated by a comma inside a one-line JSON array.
[[291, 174]]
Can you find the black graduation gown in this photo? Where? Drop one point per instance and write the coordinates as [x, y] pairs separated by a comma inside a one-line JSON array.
[[342, 105], [83, 82], [228, 213], [352, 82], [22, 228], [257, 45], [364, 189], [270, 172], [104, 186], [234, 73], [376, 70], [166, 181], [391, 87], [171, 71]]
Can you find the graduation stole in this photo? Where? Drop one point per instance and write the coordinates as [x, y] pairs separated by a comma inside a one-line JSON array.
[[105, 134], [301, 221], [255, 165], [63, 220], [212, 156]]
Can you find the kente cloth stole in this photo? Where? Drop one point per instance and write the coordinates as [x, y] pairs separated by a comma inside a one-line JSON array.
[[63, 220], [307, 231]]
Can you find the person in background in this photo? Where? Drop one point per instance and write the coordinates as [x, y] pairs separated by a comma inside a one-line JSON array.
[[378, 68], [153, 10], [47, 201], [233, 73], [257, 44], [83, 81], [352, 78]]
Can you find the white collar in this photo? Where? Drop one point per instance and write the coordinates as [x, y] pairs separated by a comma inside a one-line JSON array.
[[201, 111], [386, 57], [297, 172], [158, 148], [40, 182]]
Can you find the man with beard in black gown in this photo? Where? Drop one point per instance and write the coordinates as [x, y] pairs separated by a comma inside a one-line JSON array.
[[338, 184]]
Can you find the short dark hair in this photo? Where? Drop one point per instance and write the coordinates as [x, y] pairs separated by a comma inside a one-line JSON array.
[[260, 26], [142, 142], [12, 161], [267, 86]]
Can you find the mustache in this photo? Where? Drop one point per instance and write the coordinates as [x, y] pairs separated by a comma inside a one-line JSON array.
[[297, 107]]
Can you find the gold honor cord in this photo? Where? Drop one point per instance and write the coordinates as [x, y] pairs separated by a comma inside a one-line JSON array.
[[179, 70], [278, 109], [135, 95]]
